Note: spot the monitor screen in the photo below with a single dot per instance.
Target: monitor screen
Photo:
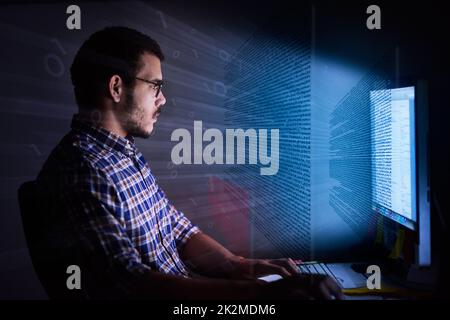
(393, 154)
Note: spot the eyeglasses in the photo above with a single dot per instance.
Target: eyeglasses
(157, 85)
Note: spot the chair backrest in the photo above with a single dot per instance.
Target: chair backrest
(48, 262)
(30, 217)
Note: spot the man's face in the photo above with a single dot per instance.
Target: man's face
(141, 107)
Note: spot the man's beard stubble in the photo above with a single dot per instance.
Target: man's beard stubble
(133, 118)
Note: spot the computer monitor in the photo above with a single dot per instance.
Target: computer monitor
(399, 149)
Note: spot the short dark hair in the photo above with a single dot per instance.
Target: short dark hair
(113, 50)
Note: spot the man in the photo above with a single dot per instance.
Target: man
(113, 219)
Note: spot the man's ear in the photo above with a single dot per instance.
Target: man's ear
(115, 88)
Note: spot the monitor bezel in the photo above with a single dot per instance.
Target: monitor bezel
(422, 225)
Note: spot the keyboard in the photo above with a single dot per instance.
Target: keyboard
(316, 268)
(342, 273)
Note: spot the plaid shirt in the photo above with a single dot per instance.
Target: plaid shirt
(118, 212)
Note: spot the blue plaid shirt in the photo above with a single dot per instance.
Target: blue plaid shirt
(117, 212)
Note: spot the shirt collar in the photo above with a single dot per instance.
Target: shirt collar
(105, 138)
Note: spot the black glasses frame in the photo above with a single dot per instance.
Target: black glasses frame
(158, 84)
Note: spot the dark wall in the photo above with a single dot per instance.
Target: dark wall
(36, 100)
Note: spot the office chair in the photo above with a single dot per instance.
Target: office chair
(49, 261)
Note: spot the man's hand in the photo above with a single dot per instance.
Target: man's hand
(206, 257)
(302, 286)
(254, 268)
(209, 258)
(294, 285)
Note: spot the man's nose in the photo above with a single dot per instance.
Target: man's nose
(161, 100)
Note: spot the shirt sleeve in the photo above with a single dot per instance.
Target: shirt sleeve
(182, 227)
(95, 212)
